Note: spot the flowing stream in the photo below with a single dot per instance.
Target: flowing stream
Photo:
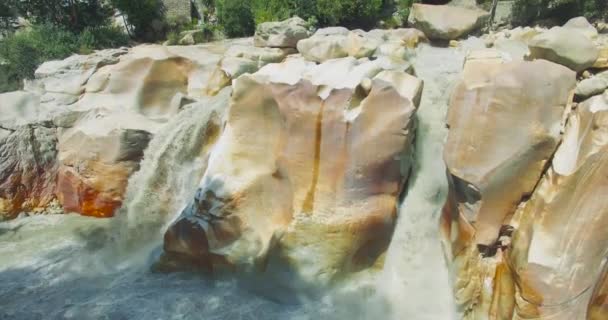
(73, 267)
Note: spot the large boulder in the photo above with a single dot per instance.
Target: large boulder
(442, 22)
(283, 34)
(583, 26)
(504, 124)
(560, 242)
(314, 188)
(566, 46)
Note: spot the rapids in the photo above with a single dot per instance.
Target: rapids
(73, 267)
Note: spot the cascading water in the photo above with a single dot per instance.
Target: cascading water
(81, 273)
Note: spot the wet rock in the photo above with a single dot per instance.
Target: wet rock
(283, 34)
(442, 22)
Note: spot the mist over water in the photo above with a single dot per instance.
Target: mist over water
(73, 267)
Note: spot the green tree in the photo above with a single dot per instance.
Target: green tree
(349, 13)
(72, 15)
(236, 17)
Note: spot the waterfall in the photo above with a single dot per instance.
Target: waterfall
(169, 174)
(415, 276)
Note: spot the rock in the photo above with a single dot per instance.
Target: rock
(240, 60)
(504, 124)
(583, 26)
(284, 34)
(602, 60)
(442, 22)
(592, 86)
(565, 46)
(314, 189)
(324, 46)
(63, 81)
(560, 243)
(514, 49)
(27, 169)
(96, 158)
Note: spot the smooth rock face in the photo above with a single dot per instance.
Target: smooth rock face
(560, 242)
(283, 34)
(27, 170)
(566, 46)
(442, 22)
(504, 124)
(315, 186)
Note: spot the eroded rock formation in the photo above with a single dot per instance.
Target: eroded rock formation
(307, 171)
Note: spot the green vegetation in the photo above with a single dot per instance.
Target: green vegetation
(558, 11)
(24, 51)
(145, 17)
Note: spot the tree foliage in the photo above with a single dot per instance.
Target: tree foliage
(236, 17)
(72, 15)
(146, 17)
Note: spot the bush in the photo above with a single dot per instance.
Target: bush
(146, 17)
(235, 17)
(24, 51)
(73, 16)
(349, 13)
(277, 10)
(527, 11)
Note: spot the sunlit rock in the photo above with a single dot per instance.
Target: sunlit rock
(593, 85)
(306, 173)
(560, 242)
(504, 124)
(283, 34)
(442, 22)
(566, 46)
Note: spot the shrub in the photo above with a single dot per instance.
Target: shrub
(527, 11)
(74, 16)
(277, 10)
(349, 13)
(235, 17)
